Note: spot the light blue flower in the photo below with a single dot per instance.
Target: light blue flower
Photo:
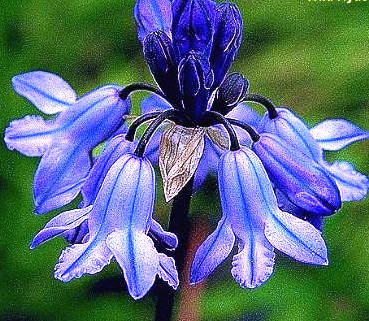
(66, 141)
(252, 220)
(118, 223)
(333, 135)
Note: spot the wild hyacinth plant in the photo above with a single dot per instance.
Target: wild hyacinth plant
(275, 186)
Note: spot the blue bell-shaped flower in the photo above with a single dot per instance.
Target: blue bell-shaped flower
(303, 181)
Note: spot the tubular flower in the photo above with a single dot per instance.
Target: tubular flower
(333, 135)
(275, 185)
(65, 141)
(252, 219)
(118, 223)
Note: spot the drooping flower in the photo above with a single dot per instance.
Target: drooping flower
(304, 182)
(329, 135)
(118, 223)
(65, 141)
(252, 220)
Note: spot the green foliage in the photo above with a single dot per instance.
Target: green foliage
(311, 56)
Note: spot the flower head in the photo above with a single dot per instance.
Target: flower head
(275, 185)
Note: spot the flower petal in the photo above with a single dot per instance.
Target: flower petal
(59, 177)
(60, 224)
(247, 199)
(152, 15)
(115, 148)
(335, 134)
(296, 238)
(48, 92)
(79, 259)
(94, 117)
(153, 148)
(31, 135)
(287, 206)
(212, 252)
(138, 258)
(293, 130)
(253, 265)
(164, 238)
(167, 270)
(353, 186)
(78, 234)
(117, 205)
(245, 114)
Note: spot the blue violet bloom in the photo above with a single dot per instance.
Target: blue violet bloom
(275, 186)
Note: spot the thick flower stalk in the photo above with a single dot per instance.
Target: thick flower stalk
(275, 186)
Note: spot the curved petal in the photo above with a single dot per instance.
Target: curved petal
(335, 134)
(48, 92)
(254, 263)
(296, 238)
(166, 239)
(167, 270)
(212, 252)
(151, 15)
(60, 224)
(80, 259)
(292, 129)
(31, 135)
(353, 186)
(138, 258)
(59, 177)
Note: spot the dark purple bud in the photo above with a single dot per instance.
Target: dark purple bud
(227, 40)
(304, 182)
(193, 25)
(162, 61)
(230, 93)
(195, 79)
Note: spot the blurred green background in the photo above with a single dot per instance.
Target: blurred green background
(311, 56)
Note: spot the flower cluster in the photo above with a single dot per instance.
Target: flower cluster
(275, 186)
